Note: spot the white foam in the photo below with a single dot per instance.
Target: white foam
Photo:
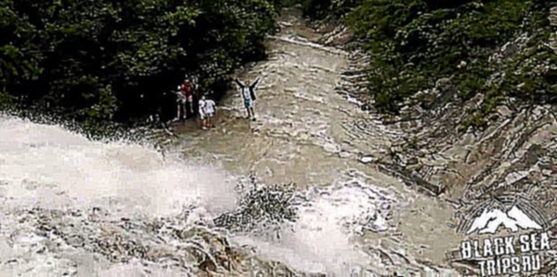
(44, 166)
(49, 167)
(366, 159)
(136, 269)
(322, 239)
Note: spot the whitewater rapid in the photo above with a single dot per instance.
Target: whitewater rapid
(47, 167)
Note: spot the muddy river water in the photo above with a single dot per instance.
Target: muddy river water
(309, 134)
(76, 207)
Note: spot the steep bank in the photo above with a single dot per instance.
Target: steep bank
(514, 154)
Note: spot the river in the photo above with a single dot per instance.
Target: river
(64, 195)
(309, 134)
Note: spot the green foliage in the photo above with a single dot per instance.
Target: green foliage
(112, 60)
(328, 9)
(414, 43)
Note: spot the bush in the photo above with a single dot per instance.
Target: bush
(113, 60)
(327, 9)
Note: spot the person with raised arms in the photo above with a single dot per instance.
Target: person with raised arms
(248, 95)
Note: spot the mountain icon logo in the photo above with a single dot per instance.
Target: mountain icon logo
(491, 219)
(511, 213)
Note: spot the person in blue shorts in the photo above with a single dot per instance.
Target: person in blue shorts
(248, 95)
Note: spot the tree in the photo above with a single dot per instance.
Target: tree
(102, 60)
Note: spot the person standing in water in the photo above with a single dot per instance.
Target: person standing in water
(201, 111)
(187, 91)
(248, 94)
(210, 108)
(180, 104)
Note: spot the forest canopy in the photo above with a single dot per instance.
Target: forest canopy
(105, 60)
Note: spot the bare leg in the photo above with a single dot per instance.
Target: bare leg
(177, 112)
(252, 113)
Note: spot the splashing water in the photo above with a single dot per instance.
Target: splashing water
(47, 167)
(330, 219)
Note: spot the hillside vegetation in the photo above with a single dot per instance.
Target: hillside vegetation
(418, 45)
(103, 60)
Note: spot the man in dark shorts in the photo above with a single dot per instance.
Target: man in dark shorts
(187, 91)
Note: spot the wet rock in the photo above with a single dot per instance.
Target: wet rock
(411, 178)
(285, 24)
(366, 159)
(338, 37)
(443, 92)
(514, 153)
